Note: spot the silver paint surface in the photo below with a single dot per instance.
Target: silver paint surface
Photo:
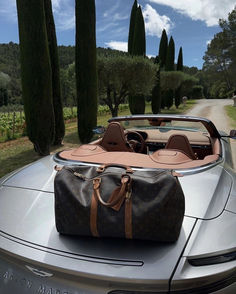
(76, 265)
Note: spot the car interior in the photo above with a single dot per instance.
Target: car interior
(148, 148)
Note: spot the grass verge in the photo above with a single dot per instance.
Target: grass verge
(231, 112)
(17, 153)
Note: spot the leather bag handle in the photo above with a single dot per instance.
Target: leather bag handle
(125, 181)
(102, 168)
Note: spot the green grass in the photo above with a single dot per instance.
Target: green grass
(231, 112)
(17, 153)
(12, 122)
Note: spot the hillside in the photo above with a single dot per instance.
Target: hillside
(10, 85)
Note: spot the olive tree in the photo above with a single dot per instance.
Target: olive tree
(123, 76)
(174, 80)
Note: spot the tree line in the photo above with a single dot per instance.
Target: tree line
(216, 79)
(219, 68)
(110, 57)
(10, 74)
(86, 78)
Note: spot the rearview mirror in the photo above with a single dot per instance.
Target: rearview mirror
(99, 130)
(232, 134)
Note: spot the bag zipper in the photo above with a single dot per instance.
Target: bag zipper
(84, 178)
(80, 176)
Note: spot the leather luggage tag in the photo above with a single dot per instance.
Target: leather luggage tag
(125, 188)
(114, 196)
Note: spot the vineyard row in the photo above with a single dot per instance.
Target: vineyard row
(12, 123)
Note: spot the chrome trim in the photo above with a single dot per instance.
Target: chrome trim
(213, 259)
(39, 272)
(211, 288)
(190, 171)
(181, 171)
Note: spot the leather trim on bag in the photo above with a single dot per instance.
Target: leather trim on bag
(128, 218)
(93, 216)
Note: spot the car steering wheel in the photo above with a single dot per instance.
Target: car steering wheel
(136, 141)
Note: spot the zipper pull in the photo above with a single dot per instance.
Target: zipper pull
(175, 174)
(80, 176)
(128, 195)
(57, 168)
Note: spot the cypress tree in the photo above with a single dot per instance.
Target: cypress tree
(177, 97)
(156, 91)
(163, 99)
(163, 49)
(3, 97)
(170, 66)
(36, 74)
(86, 69)
(132, 26)
(179, 68)
(137, 102)
(131, 104)
(180, 60)
(139, 38)
(170, 57)
(158, 97)
(169, 98)
(56, 87)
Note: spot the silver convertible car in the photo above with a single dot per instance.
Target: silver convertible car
(36, 259)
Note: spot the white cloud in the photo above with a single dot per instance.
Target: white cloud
(208, 42)
(64, 21)
(208, 11)
(155, 23)
(103, 28)
(122, 46)
(118, 16)
(110, 12)
(111, 22)
(56, 4)
(64, 14)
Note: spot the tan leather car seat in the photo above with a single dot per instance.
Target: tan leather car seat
(114, 139)
(180, 142)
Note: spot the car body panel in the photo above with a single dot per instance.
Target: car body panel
(36, 176)
(206, 240)
(210, 193)
(205, 201)
(16, 278)
(231, 205)
(35, 258)
(31, 220)
(202, 279)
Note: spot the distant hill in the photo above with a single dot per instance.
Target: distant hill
(10, 69)
(10, 56)
(9, 59)
(10, 66)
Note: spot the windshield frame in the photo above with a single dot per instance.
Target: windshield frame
(209, 126)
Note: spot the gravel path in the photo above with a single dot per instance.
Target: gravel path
(213, 109)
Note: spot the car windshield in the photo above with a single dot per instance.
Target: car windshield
(163, 125)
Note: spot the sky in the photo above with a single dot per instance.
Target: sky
(191, 23)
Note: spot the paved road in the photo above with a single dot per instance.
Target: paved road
(213, 109)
